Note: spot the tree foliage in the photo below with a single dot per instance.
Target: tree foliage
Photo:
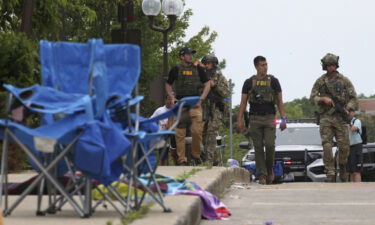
(80, 20)
(300, 108)
(18, 60)
(363, 96)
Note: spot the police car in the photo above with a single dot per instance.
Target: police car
(299, 148)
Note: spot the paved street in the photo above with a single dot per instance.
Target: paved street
(300, 203)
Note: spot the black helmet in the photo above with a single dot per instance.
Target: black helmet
(330, 59)
(186, 50)
(210, 58)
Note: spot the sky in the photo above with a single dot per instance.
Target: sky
(293, 35)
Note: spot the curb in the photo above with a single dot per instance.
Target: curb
(186, 210)
(226, 178)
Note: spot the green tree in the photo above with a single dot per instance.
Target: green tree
(18, 60)
(363, 96)
(80, 20)
(308, 109)
(293, 111)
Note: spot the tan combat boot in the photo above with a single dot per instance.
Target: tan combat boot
(270, 176)
(343, 173)
(262, 179)
(330, 179)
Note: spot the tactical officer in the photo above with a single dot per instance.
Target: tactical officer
(262, 91)
(334, 95)
(213, 106)
(188, 78)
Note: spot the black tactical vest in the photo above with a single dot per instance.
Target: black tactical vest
(188, 82)
(261, 91)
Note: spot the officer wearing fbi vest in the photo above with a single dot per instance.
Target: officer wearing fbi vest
(334, 95)
(188, 79)
(263, 91)
(213, 107)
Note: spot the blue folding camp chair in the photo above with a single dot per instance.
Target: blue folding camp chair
(123, 68)
(67, 118)
(64, 63)
(55, 139)
(102, 77)
(144, 142)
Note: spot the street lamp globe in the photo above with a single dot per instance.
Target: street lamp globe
(151, 7)
(172, 7)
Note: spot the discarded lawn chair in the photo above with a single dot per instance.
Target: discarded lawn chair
(91, 80)
(123, 68)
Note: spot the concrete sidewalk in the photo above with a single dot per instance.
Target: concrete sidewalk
(312, 203)
(186, 210)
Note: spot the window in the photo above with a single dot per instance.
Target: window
(299, 136)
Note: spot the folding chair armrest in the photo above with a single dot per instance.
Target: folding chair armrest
(187, 102)
(44, 99)
(123, 101)
(190, 101)
(175, 111)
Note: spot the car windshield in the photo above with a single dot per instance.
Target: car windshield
(298, 136)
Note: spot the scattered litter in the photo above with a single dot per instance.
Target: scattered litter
(234, 196)
(270, 223)
(233, 163)
(240, 186)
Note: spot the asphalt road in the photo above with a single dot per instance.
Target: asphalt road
(300, 203)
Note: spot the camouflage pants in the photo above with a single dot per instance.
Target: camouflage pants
(334, 126)
(210, 132)
(263, 133)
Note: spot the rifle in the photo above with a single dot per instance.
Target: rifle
(217, 99)
(317, 116)
(339, 105)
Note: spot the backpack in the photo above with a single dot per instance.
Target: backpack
(363, 133)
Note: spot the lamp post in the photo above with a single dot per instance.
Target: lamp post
(172, 9)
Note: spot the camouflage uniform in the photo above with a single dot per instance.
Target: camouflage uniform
(332, 123)
(213, 113)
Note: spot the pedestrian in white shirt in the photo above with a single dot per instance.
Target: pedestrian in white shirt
(164, 125)
(355, 156)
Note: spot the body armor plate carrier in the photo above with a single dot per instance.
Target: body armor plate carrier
(261, 91)
(188, 82)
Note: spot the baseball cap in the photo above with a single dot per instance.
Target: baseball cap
(186, 50)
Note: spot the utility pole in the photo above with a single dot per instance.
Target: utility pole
(230, 119)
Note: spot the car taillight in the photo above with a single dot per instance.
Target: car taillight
(288, 163)
(278, 121)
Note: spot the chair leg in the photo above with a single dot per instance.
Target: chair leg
(40, 196)
(152, 172)
(87, 205)
(45, 173)
(105, 196)
(4, 171)
(4, 159)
